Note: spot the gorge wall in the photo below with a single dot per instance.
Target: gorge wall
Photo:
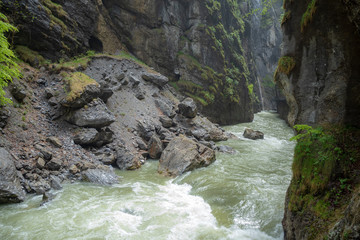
(213, 51)
(319, 75)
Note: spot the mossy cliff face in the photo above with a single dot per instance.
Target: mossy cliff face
(323, 85)
(202, 46)
(319, 74)
(205, 47)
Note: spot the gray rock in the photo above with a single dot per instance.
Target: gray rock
(40, 163)
(155, 147)
(53, 101)
(55, 182)
(145, 129)
(73, 169)
(4, 116)
(141, 144)
(44, 152)
(96, 115)
(54, 164)
(183, 154)
(199, 133)
(86, 136)
(11, 190)
(93, 137)
(120, 76)
(49, 93)
(156, 79)
(90, 92)
(47, 197)
(105, 94)
(126, 160)
(140, 95)
(54, 141)
(18, 92)
(165, 108)
(134, 80)
(166, 121)
(226, 149)
(107, 158)
(100, 176)
(39, 186)
(254, 135)
(188, 108)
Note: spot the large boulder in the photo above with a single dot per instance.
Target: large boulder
(95, 115)
(104, 176)
(125, 160)
(213, 132)
(156, 79)
(252, 134)
(80, 99)
(11, 190)
(188, 108)
(93, 137)
(183, 154)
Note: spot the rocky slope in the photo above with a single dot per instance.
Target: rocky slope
(319, 74)
(204, 47)
(76, 121)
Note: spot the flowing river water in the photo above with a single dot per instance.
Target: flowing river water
(240, 196)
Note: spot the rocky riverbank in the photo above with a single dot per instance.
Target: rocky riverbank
(78, 123)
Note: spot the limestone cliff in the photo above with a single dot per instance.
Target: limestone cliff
(319, 76)
(205, 47)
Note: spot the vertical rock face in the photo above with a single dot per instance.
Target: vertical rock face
(323, 85)
(203, 46)
(266, 37)
(319, 75)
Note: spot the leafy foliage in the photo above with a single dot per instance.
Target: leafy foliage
(8, 68)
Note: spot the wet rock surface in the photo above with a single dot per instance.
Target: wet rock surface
(11, 190)
(252, 134)
(182, 155)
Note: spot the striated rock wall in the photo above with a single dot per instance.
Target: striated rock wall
(322, 86)
(203, 46)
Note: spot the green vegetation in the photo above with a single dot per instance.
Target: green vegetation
(286, 17)
(325, 168)
(308, 15)
(285, 65)
(8, 67)
(77, 83)
(29, 56)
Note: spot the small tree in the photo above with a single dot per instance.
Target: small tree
(8, 67)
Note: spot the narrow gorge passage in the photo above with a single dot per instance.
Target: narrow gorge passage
(240, 196)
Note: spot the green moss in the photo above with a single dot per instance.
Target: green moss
(30, 56)
(285, 65)
(77, 82)
(55, 8)
(324, 173)
(308, 15)
(213, 6)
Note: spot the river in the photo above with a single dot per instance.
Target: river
(240, 196)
